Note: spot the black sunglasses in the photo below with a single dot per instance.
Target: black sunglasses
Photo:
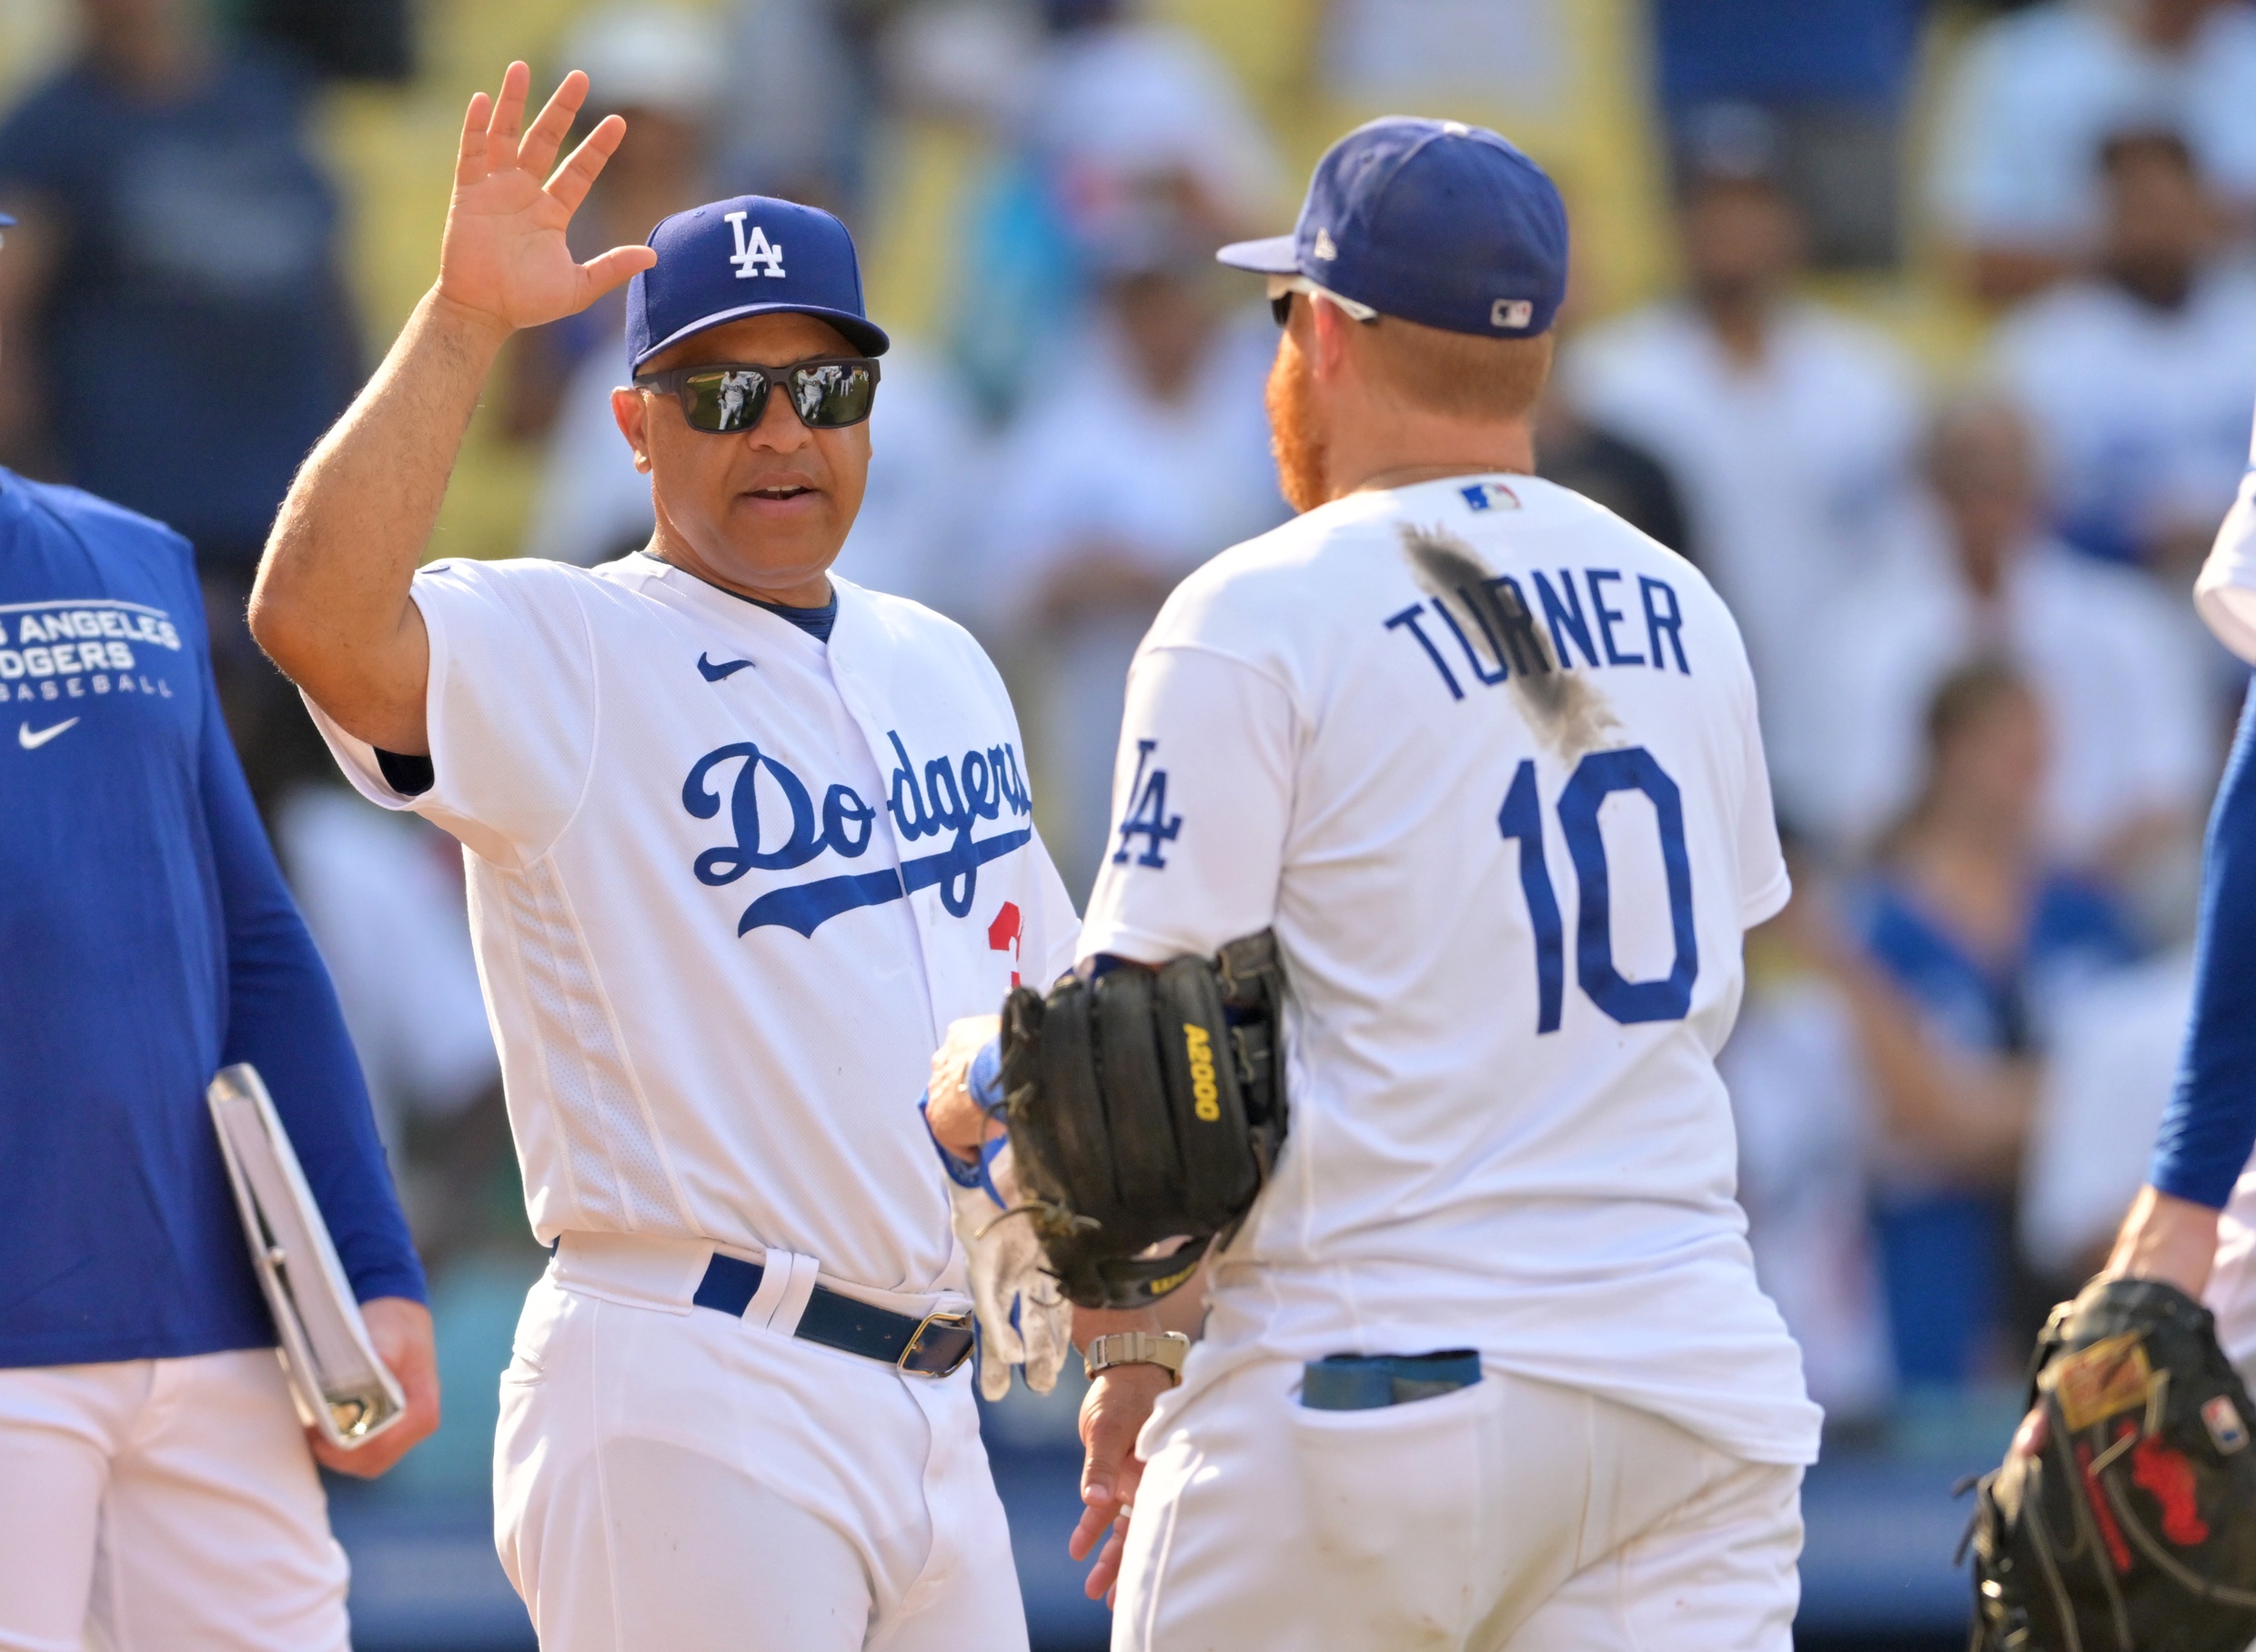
(1281, 301)
(725, 398)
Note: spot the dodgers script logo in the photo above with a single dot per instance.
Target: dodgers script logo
(758, 249)
(949, 800)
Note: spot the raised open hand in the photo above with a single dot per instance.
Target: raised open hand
(504, 258)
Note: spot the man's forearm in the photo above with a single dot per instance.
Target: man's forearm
(2167, 1238)
(331, 603)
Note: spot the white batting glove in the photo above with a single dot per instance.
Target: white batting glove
(1005, 1264)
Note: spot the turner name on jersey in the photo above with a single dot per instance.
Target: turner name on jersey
(728, 886)
(1509, 630)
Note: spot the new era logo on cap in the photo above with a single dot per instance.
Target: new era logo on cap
(1428, 220)
(725, 260)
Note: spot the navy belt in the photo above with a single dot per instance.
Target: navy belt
(934, 1346)
(1365, 1381)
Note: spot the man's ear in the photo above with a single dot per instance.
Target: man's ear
(1326, 345)
(632, 410)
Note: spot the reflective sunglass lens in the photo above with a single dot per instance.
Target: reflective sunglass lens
(833, 394)
(726, 400)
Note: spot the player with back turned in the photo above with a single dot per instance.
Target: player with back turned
(1487, 1364)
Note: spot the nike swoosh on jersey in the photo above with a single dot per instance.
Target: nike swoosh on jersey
(806, 907)
(32, 741)
(719, 673)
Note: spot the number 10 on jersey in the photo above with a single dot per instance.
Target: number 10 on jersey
(1597, 778)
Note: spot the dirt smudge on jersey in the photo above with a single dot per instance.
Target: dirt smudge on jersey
(1565, 710)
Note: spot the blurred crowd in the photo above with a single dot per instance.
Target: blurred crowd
(1962, 572)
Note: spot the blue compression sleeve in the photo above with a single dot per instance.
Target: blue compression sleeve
(283, 1018)
(985, 1079)
(2210, 1126)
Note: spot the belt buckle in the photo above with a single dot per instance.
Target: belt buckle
(948, 1320)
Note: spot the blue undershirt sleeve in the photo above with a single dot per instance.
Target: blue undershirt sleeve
(2210, 1126)
(283, 1018)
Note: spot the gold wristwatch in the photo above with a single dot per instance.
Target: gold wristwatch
(1166, 1349)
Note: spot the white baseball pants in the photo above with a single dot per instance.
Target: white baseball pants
(2231, 1294)
(162, 1505)
(669, 1476)
(1513, 1516)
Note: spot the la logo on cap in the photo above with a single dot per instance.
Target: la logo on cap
(758, 249)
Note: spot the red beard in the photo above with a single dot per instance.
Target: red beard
(1292, 436)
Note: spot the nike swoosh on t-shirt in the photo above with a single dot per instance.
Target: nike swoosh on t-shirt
(715, 673)
(30, 741)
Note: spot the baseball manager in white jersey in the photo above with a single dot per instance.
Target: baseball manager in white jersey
(741, 839)
(1487, 1366)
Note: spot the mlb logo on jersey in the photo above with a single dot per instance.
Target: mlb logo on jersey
(1490, 496)
(756, 249)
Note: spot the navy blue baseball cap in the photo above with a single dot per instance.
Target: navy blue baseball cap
(1430, 220)
(746, 256)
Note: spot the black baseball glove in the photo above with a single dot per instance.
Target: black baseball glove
(1144, 1106)
(2124, 1516)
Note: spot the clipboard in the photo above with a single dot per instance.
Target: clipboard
(341, 1386)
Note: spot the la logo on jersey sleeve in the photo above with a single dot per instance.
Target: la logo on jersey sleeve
(1147, 816)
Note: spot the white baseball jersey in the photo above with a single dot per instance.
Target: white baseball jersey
(726, 885)
(1510, 903)
(2225, 591)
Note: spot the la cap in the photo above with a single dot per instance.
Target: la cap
(1430, 220)
(750, 256)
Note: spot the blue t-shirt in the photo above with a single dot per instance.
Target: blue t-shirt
(1785, 50)
(2073, 930)
(147, 940)
(1945, 1252)
(196, 340)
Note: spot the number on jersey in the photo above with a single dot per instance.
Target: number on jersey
(1597, 778)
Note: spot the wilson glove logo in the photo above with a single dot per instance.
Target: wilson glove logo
(949, 799)
(1205, 1094)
